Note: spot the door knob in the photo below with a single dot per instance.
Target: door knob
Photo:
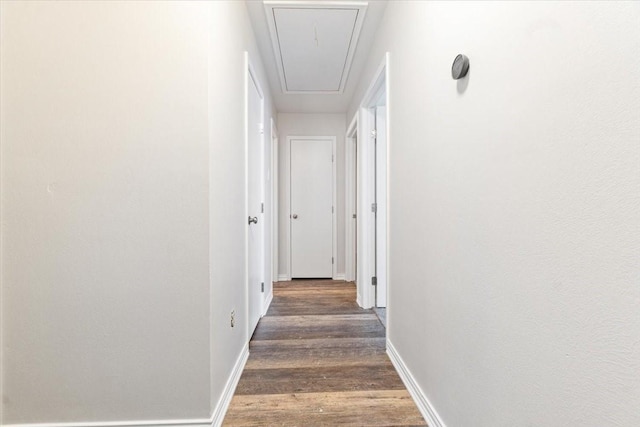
(295, 216)
(253, 220)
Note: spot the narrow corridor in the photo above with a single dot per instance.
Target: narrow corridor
(316, 358)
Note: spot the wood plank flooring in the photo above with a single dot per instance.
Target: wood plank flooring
(317, 359)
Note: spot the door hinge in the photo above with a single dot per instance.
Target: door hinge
(331, 260)
(374, 133)
(374, 207)
(261, 128)
(374, 281)
(332, 158)
(262, 286)
(354, 216)
(261, 207)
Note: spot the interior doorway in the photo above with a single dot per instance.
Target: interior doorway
(312, 207)
(371, 140)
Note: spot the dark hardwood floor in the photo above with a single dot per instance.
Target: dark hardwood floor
(315, 359)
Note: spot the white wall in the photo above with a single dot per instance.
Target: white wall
(515, 209)
(123, 217)
(231, 35)
(292, 124)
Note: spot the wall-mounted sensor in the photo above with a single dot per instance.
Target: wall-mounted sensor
(460, 67)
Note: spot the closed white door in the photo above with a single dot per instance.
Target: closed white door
(311, 208)
(255, 222)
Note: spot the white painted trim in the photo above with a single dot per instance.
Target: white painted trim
(334, 190)
(215, 420)
(222, 406)
(334, 211)
(350, 199)
(274, 201)
(165, 423)
(270, 5)
(365, 182)
(267, 302)
(339, 277)
(284, 278)
(425, 406)
(246, 191)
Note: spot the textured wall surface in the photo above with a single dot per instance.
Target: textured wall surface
(123, 215)
(515, 209)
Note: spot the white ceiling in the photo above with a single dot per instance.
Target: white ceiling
(308, 37)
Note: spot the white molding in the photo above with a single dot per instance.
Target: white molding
(366, 184)
(339, 277)
(214, 420)
(284, 278)
(267, 301)
(425, 406)
(275, 203)
(350, 201)
(229, 389)
(143, 423)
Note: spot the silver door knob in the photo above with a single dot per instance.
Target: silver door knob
(253, 220)
(295, 216)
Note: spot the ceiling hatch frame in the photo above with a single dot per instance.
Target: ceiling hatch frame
(272, 5)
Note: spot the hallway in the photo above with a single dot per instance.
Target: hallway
(316, 358)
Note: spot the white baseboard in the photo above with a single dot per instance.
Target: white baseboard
(214, 421)
(283, 278)
(358, 300)
(424, 405)
(267, 302)
(223, 404)
(339, 277)
(203, 422)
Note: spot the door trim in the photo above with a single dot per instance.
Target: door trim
(350, 200)
(274, 202)
(366, 179)
(334, 227)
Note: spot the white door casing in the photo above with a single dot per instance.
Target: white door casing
(381, 205)
(255, 194)
(312, 206)
(367, 226)
(351, 142)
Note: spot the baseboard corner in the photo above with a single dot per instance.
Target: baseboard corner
(422, 402)
(221, 408)
(267, 302)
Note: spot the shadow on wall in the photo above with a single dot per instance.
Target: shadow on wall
(463, 83)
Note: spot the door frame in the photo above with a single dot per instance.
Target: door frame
(334, 233)
(274, 202)
(366, 225)
(250, 75)
(350, 203)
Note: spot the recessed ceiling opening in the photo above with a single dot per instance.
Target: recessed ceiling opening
(314, 43)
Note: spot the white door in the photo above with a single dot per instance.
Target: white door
(311, 208)
(255, 188)
(381, 206)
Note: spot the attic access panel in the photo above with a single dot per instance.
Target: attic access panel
(314, 43)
